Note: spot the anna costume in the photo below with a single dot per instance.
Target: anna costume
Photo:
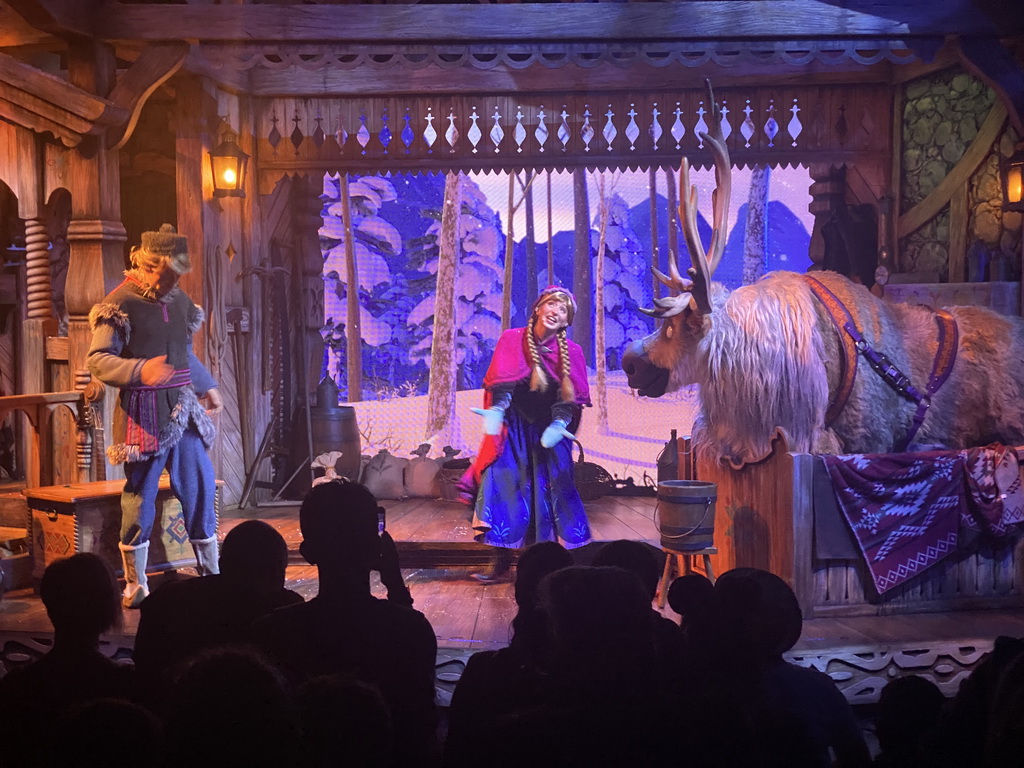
(522, 492)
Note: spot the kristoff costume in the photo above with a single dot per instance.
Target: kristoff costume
(156, 427)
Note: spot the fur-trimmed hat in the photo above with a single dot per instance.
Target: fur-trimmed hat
(167, 243)
(559, 292)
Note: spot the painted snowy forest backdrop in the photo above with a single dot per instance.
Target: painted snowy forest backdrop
(413, 387)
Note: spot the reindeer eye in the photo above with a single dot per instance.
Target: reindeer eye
(668, 330)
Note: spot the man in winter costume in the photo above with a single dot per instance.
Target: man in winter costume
(521, 484)
(142, 343)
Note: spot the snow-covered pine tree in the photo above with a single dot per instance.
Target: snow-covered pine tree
(374, 241)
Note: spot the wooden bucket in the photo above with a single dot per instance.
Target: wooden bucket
(685, 515)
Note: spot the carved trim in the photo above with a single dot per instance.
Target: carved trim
(726, 53)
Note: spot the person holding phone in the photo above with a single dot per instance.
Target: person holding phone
(521, 485)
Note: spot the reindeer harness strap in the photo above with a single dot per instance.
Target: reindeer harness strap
(853, 342)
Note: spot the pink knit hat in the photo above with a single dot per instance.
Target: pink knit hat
(560, 292)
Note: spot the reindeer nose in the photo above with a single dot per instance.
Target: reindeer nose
(632, 358)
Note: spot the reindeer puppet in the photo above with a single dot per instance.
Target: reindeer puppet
(834, 367)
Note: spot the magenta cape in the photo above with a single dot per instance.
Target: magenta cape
(511, 363)
(510, 366)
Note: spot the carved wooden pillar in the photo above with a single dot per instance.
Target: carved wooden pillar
(308, 287)
(38, 325)
(96, 235)
(40, 321)
(828, 192)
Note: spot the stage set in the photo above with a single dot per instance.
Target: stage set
(372, 194)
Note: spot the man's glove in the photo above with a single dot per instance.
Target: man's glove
(493, 419)
(554, 433)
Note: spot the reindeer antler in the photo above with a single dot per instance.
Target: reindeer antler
(670, 306)
(697, 290)
(704, 264)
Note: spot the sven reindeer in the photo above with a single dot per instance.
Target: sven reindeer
(775, 355)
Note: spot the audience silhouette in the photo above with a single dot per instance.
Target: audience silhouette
(82, 601)
(908, 712)
(497, 684)
(346, 630)
(241, 672)
(638, 558)
(230, 708)
(182, 618)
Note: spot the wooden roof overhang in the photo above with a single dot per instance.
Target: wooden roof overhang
(441, 87)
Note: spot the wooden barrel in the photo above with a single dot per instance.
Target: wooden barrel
(685, 515)
(334, 429)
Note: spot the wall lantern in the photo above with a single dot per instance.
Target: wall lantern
(1013, 181)
(229, 164)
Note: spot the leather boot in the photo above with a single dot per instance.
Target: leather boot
(500, 565)
(206, 556)
(136, 586)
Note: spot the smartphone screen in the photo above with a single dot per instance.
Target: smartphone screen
(381, 521)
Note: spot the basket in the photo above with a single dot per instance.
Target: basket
(449, 475)
(592, 480)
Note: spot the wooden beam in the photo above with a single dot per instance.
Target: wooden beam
(613, 23)
(959, 216)
(58, 17)
(928, 208)
(156, 64)
(366, 81)
(33, 121)
(51, 89)
(15, 31)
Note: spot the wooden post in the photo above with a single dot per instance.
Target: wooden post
(353, 329)
(828, 192)
(673, 218)
(652, 185)
(194, 184)
(582, 281)
(531, 248)
(96, 235)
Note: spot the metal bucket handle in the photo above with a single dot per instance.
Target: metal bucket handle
(707, 508)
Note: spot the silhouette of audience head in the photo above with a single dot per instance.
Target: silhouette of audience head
(536, 562)
(691, 596)
(344, 722)
(255, 554)
(759, 612)
(81, 596)
(635, 557)
(599, 620)
(908, 711)
(90, 730)
(230, 707)
(339, 526)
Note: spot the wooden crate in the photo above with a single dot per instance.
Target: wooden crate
(86, 517)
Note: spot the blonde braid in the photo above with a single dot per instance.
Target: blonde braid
(565, 368)
(538, 379)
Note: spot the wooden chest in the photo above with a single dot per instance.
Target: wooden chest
(86, 517)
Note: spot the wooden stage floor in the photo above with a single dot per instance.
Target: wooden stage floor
(438, 555)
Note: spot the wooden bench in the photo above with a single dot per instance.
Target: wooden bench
(86, 517)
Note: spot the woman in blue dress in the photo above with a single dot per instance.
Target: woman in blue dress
(521, 484)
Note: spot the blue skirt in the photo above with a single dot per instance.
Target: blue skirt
(528, 495)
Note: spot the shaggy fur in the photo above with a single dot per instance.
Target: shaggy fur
(767, 358)
(112, 314)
